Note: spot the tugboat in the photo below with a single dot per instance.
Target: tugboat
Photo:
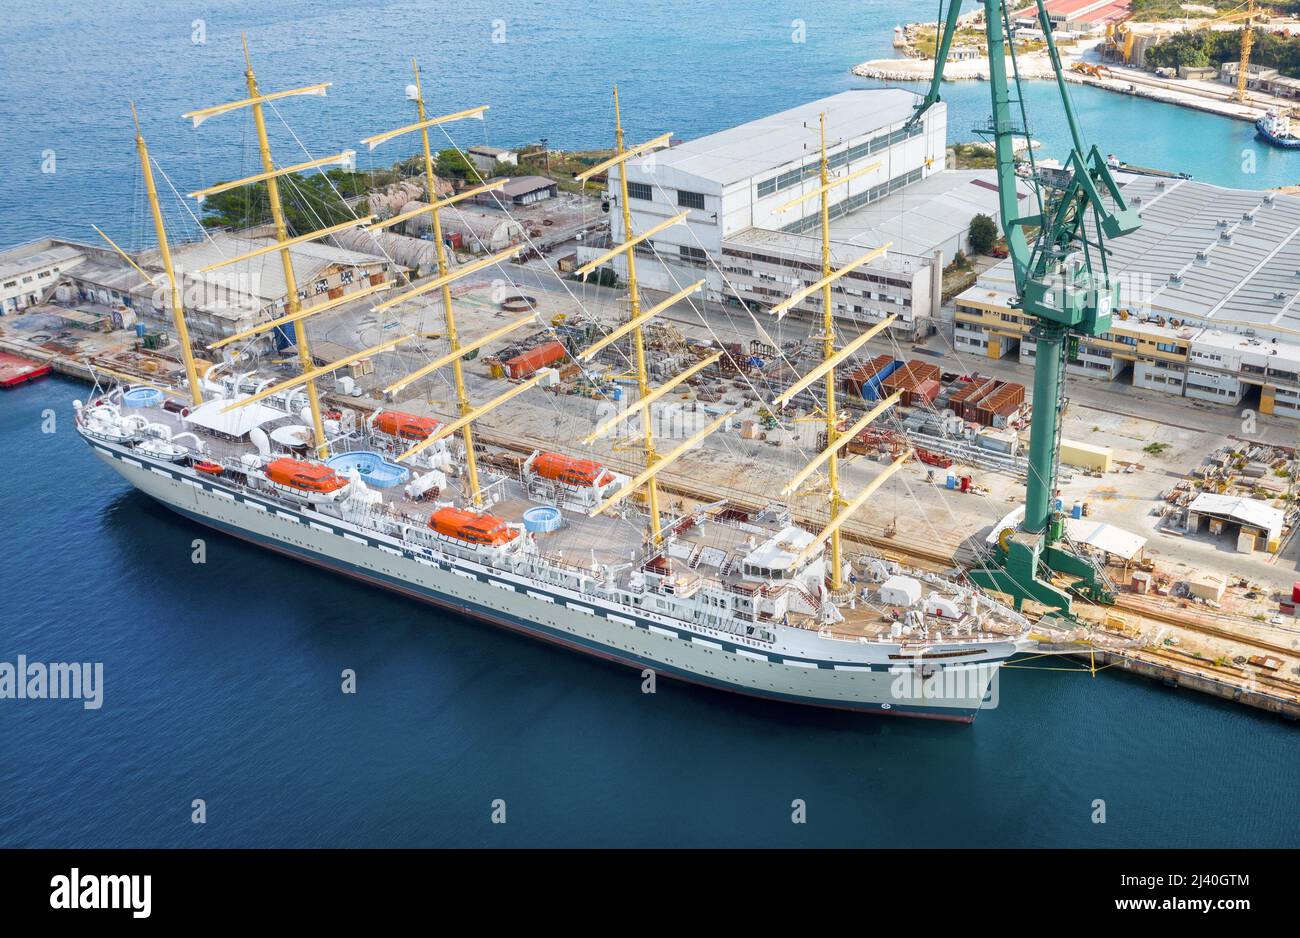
(1275, 128)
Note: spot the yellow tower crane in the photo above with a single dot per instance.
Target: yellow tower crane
(1247, 14)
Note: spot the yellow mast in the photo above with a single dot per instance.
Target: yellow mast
(286, 257)
(638, 334)
(840, 508)
(164, 249)
(453, 337)
(837, 502)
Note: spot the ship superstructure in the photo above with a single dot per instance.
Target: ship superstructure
(557, 545)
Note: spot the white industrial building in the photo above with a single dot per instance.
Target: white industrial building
(29, 272)
(734, 181)
(1212, 299)
(217, 303)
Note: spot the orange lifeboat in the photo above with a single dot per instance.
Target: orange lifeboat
(310, 478)
(209, 468)
(485, 529)
(405, 426)
(566, 469)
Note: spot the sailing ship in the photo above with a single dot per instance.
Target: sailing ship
(733, 598)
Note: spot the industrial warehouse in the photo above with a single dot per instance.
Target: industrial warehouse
(752, 246)
(1213, 283)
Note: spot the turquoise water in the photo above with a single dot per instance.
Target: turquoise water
(69, 69)
(222, 679)
(373, 468)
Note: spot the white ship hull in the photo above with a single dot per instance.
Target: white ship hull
(866, 677)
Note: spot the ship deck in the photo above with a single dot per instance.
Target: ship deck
(707, 549)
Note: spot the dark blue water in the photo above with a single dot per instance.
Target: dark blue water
(222, 683)
(222, 680)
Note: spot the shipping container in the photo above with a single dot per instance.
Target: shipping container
(971, 394)
(923, 394)
(523, 366)
(1005, 401)
(908, 376)
(866, 380)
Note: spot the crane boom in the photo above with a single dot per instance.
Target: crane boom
(1058, 257)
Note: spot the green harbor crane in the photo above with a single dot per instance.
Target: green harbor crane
(1058, 252)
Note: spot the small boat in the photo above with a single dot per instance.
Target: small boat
(15, 370)
(208, 468)
(1275, 128)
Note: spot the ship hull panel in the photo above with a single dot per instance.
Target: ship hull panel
(554, 619)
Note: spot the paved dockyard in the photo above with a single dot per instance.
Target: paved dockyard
(913, 518)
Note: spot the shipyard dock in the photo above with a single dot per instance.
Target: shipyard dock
(1238, 647)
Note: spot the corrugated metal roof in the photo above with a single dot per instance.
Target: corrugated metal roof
(763, 145)
(1235, 254)
(261, 277)
(24, 260)
(1250, 511)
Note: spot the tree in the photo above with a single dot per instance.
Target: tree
(983, 234)
(450, 162)
(310, 202)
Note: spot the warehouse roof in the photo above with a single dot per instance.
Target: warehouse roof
(260, 277)
(1208, 254)
(1249, 511)
(516, 186)
(762, 145)
(915, 221)
(921, 217)
(29, 257)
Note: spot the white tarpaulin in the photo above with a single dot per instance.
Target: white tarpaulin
(236, 423)
(1106, 537)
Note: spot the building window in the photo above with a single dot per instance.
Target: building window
(345, 276)
(688, 199)
(322, 286)
(640, 190)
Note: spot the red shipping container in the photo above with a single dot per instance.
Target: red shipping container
(908, 376)
(971, 406)
(924, 393)
(523, 366)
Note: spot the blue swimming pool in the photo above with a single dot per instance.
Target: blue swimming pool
(142, 397)
(374, 469)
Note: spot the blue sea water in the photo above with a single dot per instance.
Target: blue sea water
(69, 70)
(222, 679)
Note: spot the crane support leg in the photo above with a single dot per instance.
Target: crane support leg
(1040, 486)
